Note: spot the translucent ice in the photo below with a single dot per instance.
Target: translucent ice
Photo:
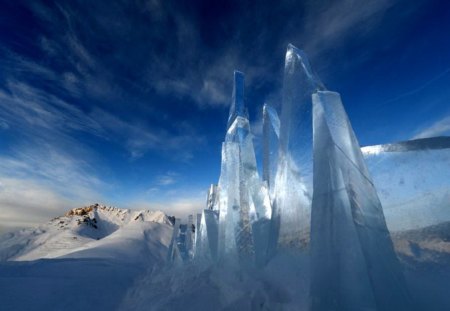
(293, 181)
(413, 181)
(243, 199)
(271, 133)
(208, 236)
(197, 233)
(190, 236)
(353, 262)
(237, 108)
(229, 199)
(212, 198)
(182, 242)
(173, 254)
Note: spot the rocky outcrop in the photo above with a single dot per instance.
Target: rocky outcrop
(81, 211)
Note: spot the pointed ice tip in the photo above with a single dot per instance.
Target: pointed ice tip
(302, 57)
(237, 103)
(292, 47)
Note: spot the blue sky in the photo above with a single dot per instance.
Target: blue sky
(126, 102)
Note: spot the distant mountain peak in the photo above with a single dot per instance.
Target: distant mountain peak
(93, 230)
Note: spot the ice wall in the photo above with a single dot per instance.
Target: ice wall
(413, 181)
(353, 262)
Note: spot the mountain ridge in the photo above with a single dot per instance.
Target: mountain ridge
(92, 231)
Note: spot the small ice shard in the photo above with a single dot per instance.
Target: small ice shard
(208, 236)
(173, 248)
(211, 200)
(353, 262)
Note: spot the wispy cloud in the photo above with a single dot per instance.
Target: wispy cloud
(40, 182)
(438, 128)
(26, 202)
(167, 179)
(337, 22)
(32, 108)
(54, 167)
(4, 125)
(180, 207)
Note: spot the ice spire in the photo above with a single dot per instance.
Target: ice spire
(237, 108)
(353, 262)
(244, 201)
(292, 189)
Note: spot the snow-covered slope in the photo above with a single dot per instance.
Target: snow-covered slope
(84, 260)
(94, 231)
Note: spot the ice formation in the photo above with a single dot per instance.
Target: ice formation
(173, 253)
(211, 200)
(271, 134)
(208, 236)
(353, 262)
(241, 202)
(190, 237)
(292, 188)
(198, 220)
(338, 215)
